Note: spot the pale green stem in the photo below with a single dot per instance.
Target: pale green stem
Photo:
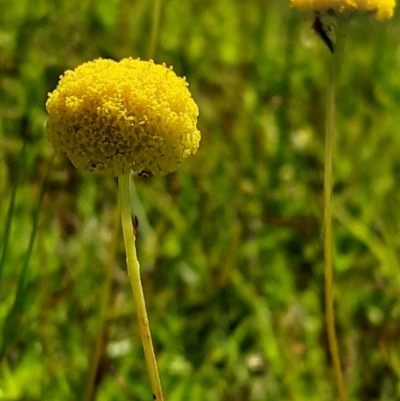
(334, 67)
(155, 26)
(136, 284)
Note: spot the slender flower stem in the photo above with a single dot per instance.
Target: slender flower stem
(155, 26)
(328, 208)
(136, 284)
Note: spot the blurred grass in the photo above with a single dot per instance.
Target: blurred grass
(230, 245)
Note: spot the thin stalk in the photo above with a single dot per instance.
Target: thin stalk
(136, 284)
(155, 26)
(334, 67)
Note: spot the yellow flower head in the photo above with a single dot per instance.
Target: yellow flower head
(113, 117)
(382, 8)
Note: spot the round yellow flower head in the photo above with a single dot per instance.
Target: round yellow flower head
(113, 117)
(382, 8)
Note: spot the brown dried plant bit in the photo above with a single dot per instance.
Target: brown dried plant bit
(135, 225)
(145, 174)
(324, 31)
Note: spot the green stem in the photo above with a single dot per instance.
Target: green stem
(136, 284)
(155, 26)
(328, 208)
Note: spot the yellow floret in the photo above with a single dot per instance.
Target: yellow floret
(113, 117)
(382, 8)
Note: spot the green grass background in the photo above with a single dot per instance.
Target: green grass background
(231, 244)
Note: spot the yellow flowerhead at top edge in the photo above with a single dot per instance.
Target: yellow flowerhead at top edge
(113, 117)
(383, 9)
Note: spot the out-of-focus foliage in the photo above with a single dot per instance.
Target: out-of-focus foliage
(230, 245)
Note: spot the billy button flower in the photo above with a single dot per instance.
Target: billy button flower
(113, 117)
(117, 117)
(381, 8)
(328, 13)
